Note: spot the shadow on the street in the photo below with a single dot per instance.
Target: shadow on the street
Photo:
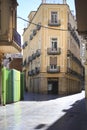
(39, 97)
(75, 118)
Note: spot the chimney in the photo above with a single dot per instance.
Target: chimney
(64, 1)
(43, 1)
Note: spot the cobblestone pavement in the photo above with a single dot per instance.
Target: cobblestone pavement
(45, 112)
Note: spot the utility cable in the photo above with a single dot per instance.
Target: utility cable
(42, 25)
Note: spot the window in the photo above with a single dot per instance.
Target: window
(54, 44)
(53, 67)
(53, 62)
(54, 17)
(68, 62)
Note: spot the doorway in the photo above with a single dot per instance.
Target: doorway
(53, 86)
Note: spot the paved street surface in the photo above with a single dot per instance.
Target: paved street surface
(45, 112)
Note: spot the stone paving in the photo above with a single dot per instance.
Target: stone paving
(45, 112)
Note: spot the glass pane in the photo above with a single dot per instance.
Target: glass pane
(54, 17)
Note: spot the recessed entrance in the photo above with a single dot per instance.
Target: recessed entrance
(52, 86)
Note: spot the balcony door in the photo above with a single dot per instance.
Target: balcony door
(54, 17)
(54, 44)
(53, 63)
(53, 86)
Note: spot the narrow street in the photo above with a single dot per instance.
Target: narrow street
(45, 112)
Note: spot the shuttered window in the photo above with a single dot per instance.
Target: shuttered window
(53, 60)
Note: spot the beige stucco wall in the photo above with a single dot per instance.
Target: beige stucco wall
(8, 20)
(69, 86)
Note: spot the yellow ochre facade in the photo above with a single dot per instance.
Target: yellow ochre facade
(51, 51)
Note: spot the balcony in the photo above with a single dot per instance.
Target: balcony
(30, 73)
(34, 56)
(53, 51)
(31, 36)
(10, 42)
(30, 58)
(75, 36)
(54, 23)
(69, 53)
(24, 45)
(38, 52)
(69, 27)
(37, 70)
(38, 27)
(34, 32)
(33, 72)
(74, 73)
(56, 70)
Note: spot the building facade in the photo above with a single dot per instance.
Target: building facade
(51, 51)
(81, 8)
(10, 39)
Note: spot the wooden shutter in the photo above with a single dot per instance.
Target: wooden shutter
(53, 60)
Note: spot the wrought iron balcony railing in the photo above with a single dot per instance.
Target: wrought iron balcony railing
(38, 27)
(54, 23)
(34, 32)
(37, 69)
(34, 56)
(33, 71)
(50, 70)
(54, 51)
(30, 73)
(31, 36)
(38, 52)
(24, 45)
(30, 58)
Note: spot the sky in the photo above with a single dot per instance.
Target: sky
(26, 6)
